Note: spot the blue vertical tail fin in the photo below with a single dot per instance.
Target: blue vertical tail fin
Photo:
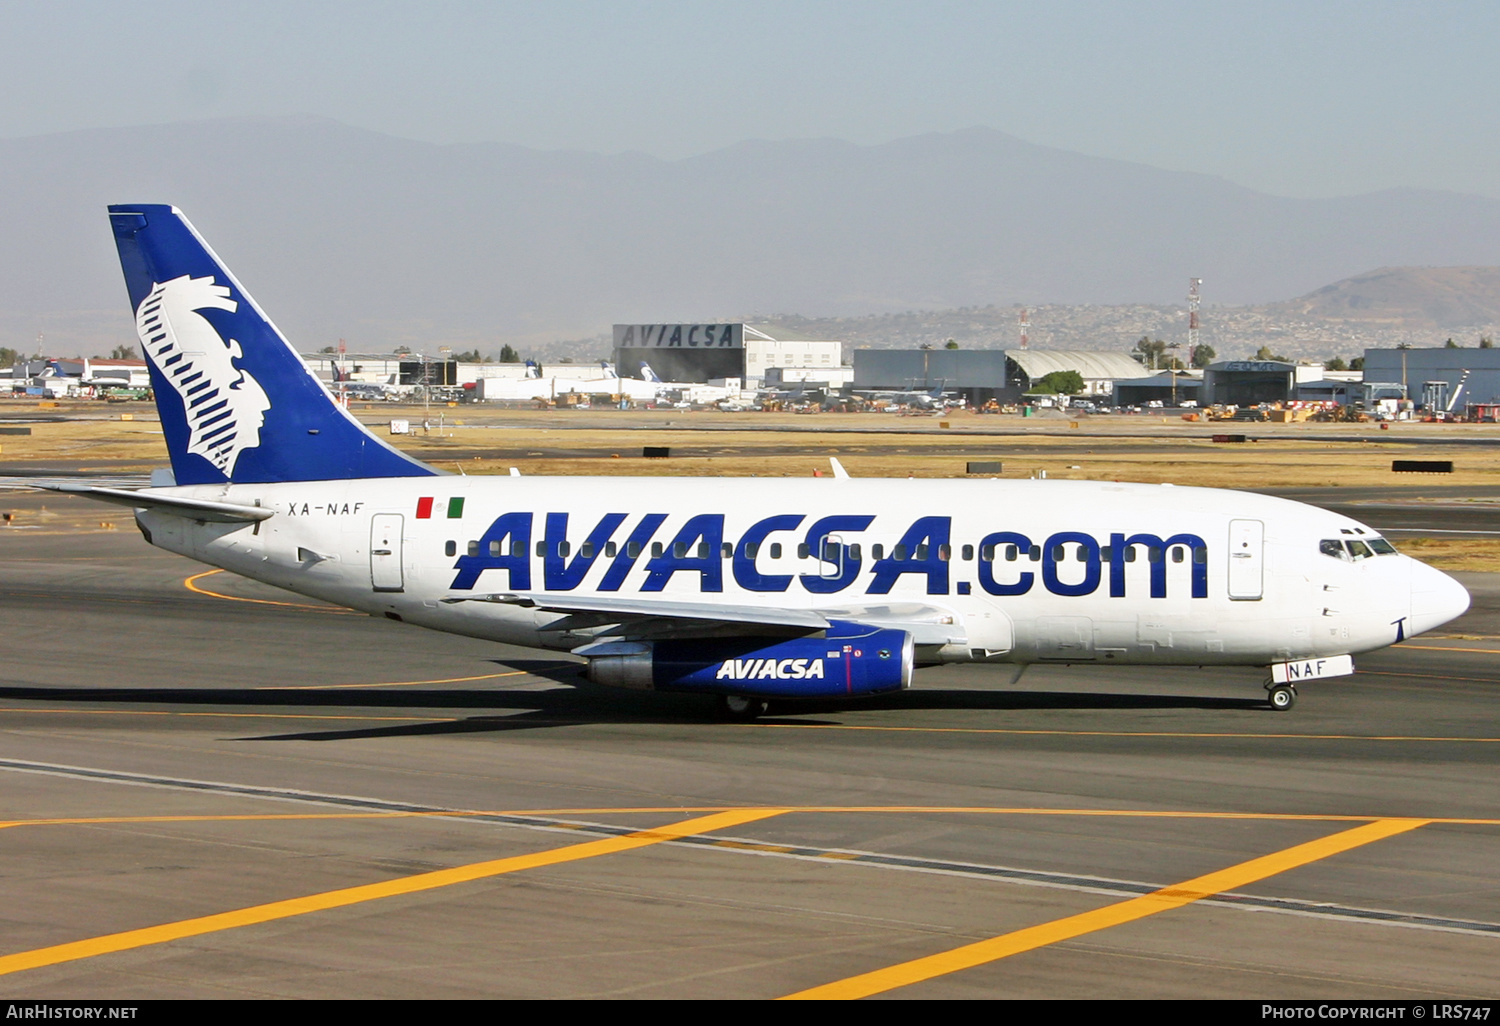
(237, 403)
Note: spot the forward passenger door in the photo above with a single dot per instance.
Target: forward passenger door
(1246, 559)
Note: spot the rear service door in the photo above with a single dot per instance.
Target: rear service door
(1246, 559)
(385, 551)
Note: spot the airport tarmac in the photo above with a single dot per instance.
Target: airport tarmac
(215, 789)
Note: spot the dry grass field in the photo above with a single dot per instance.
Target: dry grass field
(1149, 449)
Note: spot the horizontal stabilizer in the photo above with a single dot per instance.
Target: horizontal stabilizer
(205, 510)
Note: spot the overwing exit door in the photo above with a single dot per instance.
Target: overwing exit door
(1246, 559)
(385, 551)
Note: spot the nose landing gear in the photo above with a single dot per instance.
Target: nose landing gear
(1281, 696)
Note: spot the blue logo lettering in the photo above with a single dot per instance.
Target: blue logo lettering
(561, 574)
(1156, 553)
(745, 573)
(1053, 553)
(624, 562)
(503, 547)
(848, 567)
(987, 566)
(921, 550)
(696, 548)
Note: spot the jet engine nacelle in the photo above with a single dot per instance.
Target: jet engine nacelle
(848, 661)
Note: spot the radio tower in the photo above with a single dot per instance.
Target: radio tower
(1193, 284)
(1025, 328)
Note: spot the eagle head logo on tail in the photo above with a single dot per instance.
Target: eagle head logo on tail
(225, 406)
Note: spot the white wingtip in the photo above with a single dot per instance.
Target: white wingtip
(515, 471)
(838, 468)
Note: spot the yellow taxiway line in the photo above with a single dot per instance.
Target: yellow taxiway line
(191, 584)
(1164, 900)
(709, 819)
(166, 932)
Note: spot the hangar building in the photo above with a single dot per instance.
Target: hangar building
(1433, 374)
(983, 374)
(705, 352)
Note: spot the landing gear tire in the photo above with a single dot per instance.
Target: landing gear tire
(1282, 697)
(742, 708)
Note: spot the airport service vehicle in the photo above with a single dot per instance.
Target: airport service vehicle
(748, 589)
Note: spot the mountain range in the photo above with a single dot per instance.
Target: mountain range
(344, 232)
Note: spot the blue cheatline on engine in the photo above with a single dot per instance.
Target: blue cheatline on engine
(850, 660)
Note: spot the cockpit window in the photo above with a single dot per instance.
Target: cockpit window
(1358, 549)
(1331, 547)
(1382, 547)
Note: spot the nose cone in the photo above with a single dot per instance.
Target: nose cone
(1436, 598)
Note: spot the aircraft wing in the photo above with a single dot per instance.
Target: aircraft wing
(928, 625)
(178, 505)
(639, 609)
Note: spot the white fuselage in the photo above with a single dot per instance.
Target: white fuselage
(1014, 571)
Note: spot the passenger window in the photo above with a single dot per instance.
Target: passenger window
(1200, 554)
(945, 553)
(877, 551)
(473, 549)
(1082, 555)
(968, 553)
(988, 553)
(1104, 553)
(633, 550)
(1059, 553)
(830, 552)
(1034, 553)
(854, 552)
(899, 553)
(494, 548)
(1154, 554)
(751, 550)
(1177, 553)
(922, 551)
(563, 548)
(802, 551)
(1331, 547)
(656, 549)
(541, 548)
(586, 550)
(518, 549)
(610, 549)
(704, 550)
(450, 548)
(679, 549)
(776, 550)
(1130, 553)
(726, 550)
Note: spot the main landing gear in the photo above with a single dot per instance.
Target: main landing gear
(1281, 696)
(742, 708)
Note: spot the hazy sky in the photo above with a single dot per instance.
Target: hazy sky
(1294, 98)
